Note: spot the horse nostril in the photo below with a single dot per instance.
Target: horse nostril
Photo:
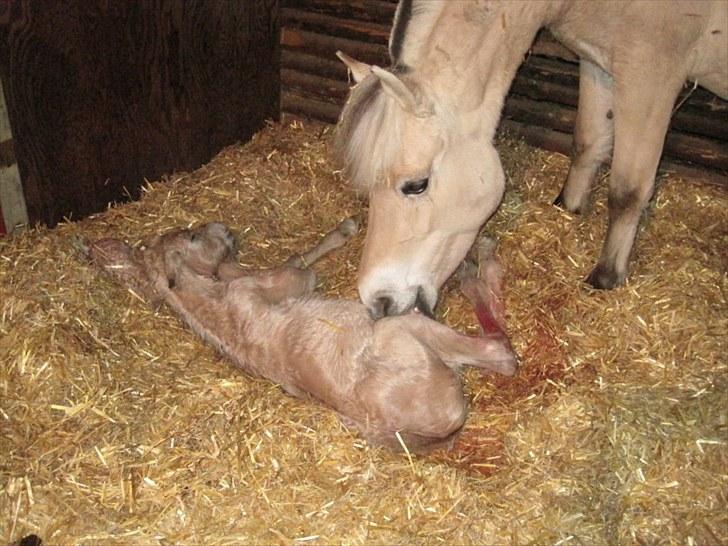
(422, 305)
(381, 307)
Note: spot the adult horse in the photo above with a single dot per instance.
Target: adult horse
(418, 136)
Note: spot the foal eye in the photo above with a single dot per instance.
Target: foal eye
(415, 187)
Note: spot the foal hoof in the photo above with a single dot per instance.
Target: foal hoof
(350, 226)
(468, 269)
(604, 278)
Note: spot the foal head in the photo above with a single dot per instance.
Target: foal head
(202, 249)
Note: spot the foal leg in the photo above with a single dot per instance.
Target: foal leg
(334, 239)
(482, 284)
(593, 136)
(293, 279)
(491, 351)
(642, 107)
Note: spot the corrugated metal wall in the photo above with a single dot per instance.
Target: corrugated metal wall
(541, 106)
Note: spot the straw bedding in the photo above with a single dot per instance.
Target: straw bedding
(118, 426)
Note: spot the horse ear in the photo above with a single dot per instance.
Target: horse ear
(398, 90)
(358, 69)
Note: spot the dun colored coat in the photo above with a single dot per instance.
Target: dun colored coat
(418, 136)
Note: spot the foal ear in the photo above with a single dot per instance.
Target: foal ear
(398, 90)
(358, 69)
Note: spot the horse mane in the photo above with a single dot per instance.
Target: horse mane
(399, 29)
(414, 21)
(368, 135)
(369, 132)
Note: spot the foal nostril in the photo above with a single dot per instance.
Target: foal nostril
(381, 307)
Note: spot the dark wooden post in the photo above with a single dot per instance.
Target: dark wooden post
(103, 94)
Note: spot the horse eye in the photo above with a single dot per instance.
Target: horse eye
(194, 237)
(415, 187)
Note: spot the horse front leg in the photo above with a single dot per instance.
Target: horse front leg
(643, 104)
(593, 136)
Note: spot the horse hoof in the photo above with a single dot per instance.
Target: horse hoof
(603, 278)
(561, 203)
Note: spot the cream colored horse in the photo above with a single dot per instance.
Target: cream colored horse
(418, 136)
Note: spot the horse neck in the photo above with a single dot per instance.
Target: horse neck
(484, 61)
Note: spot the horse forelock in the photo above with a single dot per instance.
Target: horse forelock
(368, 136)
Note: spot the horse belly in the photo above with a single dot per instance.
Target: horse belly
(691, 37)
(711, 52)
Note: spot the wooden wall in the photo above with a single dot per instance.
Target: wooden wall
(103, 94)
(541, 106)
(12, 204)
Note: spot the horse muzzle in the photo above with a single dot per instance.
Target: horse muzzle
(389, 303)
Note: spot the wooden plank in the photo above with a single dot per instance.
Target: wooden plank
(562, 143)
(351, 29)
(376, 11)
(326, 46)
(700, 150)
(688, 119)
(295, 103)
(312, 64)
(697, 150)
(326, 89)
(103, 95)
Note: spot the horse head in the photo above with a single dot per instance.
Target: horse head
(432, 177)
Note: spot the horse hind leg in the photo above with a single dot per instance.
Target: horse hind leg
(642, 113)
(593, 136)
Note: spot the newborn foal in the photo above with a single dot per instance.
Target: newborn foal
(395, 375)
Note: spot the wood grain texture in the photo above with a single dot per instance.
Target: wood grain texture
(103, 94)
